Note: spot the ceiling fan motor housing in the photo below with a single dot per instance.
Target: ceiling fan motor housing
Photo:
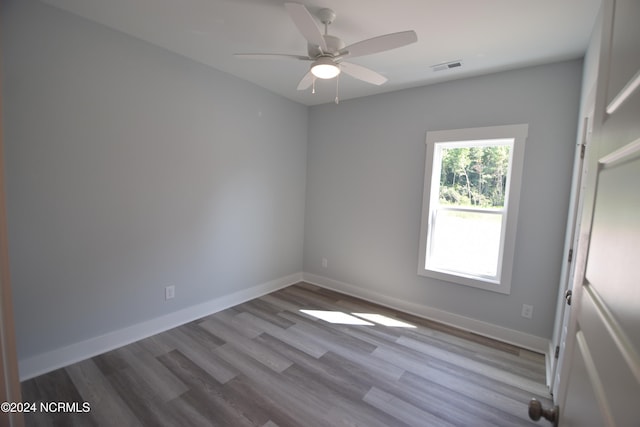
(334, 45)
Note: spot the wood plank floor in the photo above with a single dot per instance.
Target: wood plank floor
(266, 363)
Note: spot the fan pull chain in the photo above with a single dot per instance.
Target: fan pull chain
(337, 87)
(313, 84)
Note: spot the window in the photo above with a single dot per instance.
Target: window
(470, 205)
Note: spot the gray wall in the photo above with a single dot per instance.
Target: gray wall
(129, 168)
(364, 188)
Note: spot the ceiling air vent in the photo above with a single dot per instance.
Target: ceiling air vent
(447, 65)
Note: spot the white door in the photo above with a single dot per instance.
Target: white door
(600, 378)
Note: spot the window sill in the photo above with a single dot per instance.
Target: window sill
(467, 280)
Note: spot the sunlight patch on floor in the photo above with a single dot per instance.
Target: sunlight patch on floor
(384, 320)
(336, 317)
(339, 317)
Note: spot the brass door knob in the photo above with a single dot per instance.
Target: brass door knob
(536, 411)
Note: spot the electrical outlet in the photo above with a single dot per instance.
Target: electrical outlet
(325, 263)
(169, 292)
(527, 311)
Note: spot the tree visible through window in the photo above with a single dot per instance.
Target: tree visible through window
(468, 192)
(475, 176)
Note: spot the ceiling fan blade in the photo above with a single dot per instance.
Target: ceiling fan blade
(306, 81)
(363, 73)
(381, 43)
(270, 56)
(306, 24)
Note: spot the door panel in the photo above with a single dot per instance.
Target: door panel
(613, 260)
(582, 403)
(625, 61)
(617, 382)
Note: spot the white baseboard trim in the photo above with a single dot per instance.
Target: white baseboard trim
(64, 356)
(500, 333)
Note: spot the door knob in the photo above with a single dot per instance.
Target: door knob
(536, 411)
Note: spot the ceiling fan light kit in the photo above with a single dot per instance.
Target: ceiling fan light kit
(326, 52)
(324, 68)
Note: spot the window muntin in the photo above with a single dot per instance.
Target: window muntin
(469, 222)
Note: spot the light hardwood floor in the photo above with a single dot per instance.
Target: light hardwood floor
(266, 363)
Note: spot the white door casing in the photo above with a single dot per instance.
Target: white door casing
(558, 341)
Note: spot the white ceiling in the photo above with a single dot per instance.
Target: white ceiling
(487, 35)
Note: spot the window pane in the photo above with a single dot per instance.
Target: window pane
(465, 242)
(474, 176)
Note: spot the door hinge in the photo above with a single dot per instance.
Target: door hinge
(583, 148)
(557, 353)
(570, 257)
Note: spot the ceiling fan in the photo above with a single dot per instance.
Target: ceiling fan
(326, 52)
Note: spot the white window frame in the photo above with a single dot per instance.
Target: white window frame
(518, 133)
